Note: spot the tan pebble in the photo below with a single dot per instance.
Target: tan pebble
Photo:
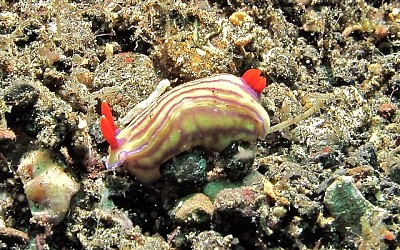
(239, 17)
(381, 31)
(269, 189)
(7, 135)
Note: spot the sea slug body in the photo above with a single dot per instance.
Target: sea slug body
(211, 112)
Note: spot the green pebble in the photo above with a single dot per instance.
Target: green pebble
(213, 188)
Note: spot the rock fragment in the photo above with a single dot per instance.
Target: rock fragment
(349, 207)
(47, 186)
(196, 208)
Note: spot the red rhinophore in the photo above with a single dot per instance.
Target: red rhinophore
(106, 111)
(107, 125)
(254, 79)
(108, 133)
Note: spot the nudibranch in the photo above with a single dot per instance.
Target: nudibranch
(211, 112)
